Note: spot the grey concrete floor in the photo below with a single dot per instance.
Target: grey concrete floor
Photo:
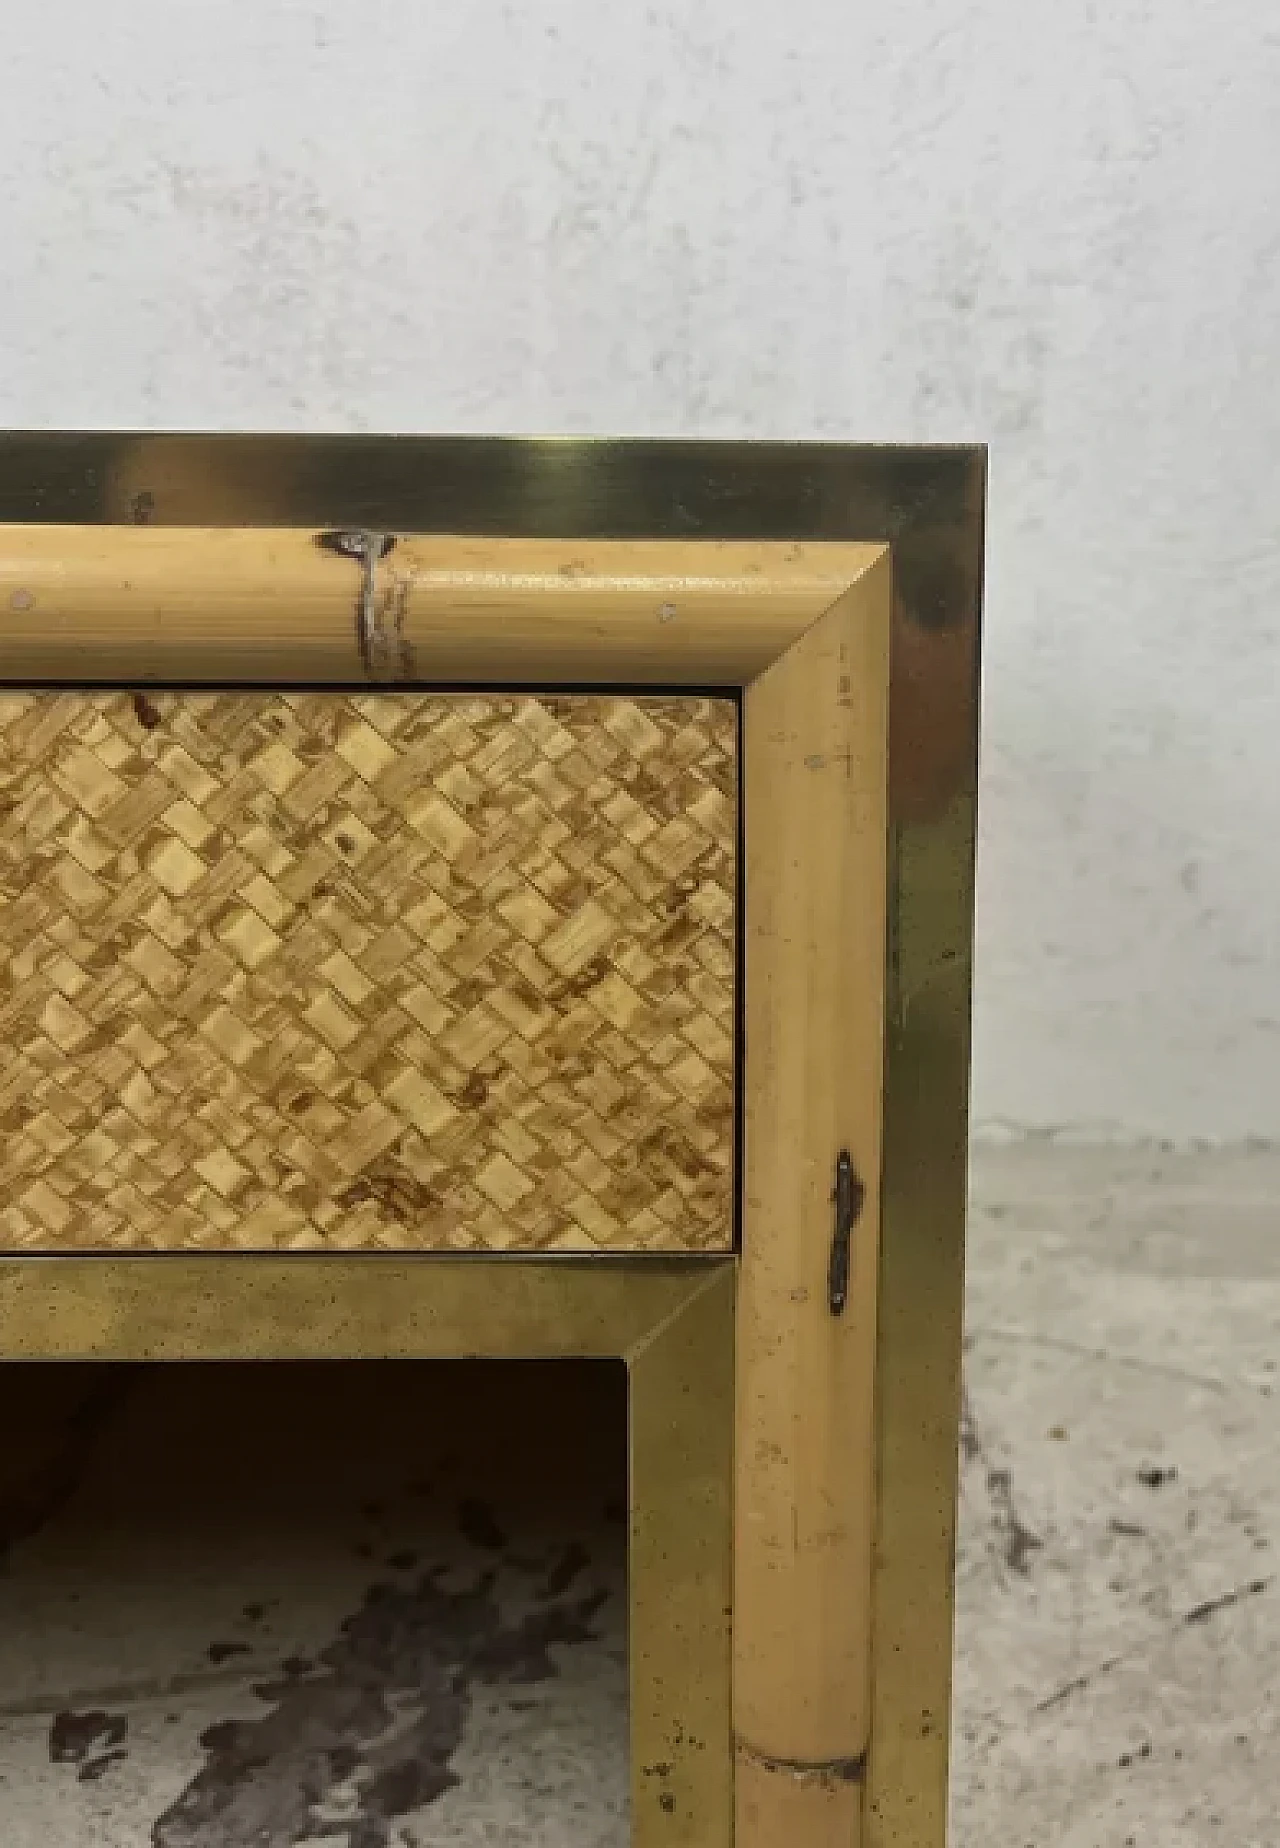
(268, 1607)
(1118, 1636)
(300, 1608)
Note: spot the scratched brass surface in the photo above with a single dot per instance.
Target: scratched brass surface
(286, 971)
(928, 503)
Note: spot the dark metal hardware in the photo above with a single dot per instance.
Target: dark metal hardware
(848, 1196)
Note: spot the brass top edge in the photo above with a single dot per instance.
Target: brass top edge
(511, 441)
(524, 486)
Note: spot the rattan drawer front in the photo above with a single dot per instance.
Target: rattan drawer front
(366, 971)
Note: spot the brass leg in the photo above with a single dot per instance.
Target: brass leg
(682, 1401)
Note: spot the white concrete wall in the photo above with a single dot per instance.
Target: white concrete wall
(1052, 224)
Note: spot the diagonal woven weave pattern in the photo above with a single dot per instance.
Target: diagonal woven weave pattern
(366, 971)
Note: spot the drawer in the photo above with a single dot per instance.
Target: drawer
(367, 971)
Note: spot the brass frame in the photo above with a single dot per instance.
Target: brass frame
(671, 1323)
(919, 509)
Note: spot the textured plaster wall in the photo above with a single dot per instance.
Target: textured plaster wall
(1051, 224)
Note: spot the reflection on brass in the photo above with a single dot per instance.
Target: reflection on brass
(681, 1534)
(286, 971)
(927, 504)
(337, 1308)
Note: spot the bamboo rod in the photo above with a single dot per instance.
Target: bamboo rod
(203, 605)
(815, 738)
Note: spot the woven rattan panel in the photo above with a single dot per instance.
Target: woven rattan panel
(393, 970)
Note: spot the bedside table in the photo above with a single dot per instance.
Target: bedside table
(469, 898)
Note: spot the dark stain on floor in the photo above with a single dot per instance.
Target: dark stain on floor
(94, 1768)
(368, 1734)
(73, 1737)
(571, 1562)
(218, 1653)
(478, 1524)
(93, 1740)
